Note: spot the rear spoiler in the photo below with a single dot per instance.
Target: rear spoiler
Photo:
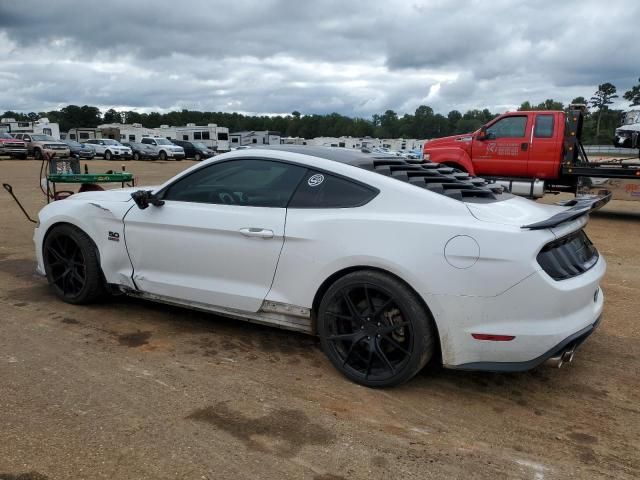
(579, 206)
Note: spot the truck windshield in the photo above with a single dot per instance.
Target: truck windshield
(163, 141)
(41, 138)
(631, 117)
(5, 135)
(110, 142)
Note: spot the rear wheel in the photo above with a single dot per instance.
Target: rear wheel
(374, 329)
(107, 155)
(72, 266)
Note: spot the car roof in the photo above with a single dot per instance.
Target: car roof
(355, 157)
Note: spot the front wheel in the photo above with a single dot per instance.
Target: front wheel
(198, 157)
(107, 155)
(37, 154)
(136, 156)
(163, 155)
(374, 329)
(71, 265)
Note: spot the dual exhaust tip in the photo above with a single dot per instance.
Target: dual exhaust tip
(559, 360)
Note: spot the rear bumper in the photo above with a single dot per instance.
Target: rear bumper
(541, 314)
(571, 342)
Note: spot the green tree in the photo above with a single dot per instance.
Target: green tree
(112, 116)
(525, 107)
(602, 98)
(633, 95)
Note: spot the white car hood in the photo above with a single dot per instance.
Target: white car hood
(515, 211)
(115, 195)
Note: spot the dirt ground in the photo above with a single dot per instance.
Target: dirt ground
(129, 389)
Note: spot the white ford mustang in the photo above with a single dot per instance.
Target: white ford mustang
(390, 261)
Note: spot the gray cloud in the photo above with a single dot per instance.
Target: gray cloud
(275, 56)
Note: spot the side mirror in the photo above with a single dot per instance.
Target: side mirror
(144, 198)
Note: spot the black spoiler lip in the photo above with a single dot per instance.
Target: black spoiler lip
(579, 206)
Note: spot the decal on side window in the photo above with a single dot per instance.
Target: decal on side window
(315, 180)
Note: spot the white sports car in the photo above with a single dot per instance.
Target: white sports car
(390, 261)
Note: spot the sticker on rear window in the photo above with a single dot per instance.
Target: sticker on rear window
(315, 180)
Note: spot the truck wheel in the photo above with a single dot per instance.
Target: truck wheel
(71, 265)
(37, 154)
(163, 155)
(107, 155)
(375, 329)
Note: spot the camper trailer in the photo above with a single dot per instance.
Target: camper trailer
(40, 126)
(211, 135)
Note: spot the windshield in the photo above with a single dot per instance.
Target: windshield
(5, 135)
(110, 142)
(40, 138)
(72, 143)
(162, 141)
(200, 145)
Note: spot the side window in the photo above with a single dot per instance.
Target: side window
(197, 136)
(321, 190)
(132, 138)
(146, 141)
(251, 183)
(185, 137)
(205, 136)
(544, 126)
(508, 127)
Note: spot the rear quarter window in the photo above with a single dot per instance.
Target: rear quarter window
(322, 190)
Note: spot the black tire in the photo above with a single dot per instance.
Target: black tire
(197, 157)
(108, 155)
(136, 156)
(374, 329)
(163, 155)
(37, 154)
(72, 266)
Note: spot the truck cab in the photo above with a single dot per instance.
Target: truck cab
(514, 144)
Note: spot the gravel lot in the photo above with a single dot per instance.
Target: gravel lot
(129, 389)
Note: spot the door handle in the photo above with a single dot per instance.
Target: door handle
(524, 146)
(257, 232)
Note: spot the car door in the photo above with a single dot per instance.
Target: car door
(504, 151)
(217, 238)
(545, 146)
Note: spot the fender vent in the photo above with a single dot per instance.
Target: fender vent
(435, 177)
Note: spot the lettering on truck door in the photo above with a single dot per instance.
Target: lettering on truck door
(505, 149)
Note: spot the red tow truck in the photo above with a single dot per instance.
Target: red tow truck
(535, 152)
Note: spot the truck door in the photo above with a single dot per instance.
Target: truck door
(504, 151)
(545, 146)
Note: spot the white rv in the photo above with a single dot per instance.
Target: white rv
(211, 135)
(628, 134)
(41, 126)
(257, 137)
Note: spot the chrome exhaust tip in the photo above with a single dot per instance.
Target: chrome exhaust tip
(559, 360)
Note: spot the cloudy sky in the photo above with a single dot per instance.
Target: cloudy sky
(275, 56)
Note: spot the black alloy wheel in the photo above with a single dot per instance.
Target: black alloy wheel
(374, 329)
(71, 265)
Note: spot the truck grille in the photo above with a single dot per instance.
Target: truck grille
(568, 256)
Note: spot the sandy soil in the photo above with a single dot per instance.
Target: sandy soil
(128, 389)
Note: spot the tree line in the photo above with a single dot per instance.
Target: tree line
(599, 126)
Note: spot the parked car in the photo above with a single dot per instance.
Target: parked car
(82, 150)
(142, 151)
(37, 144)
(196, 150)
(109, 148)
(12, 146)
(391, 262)
(164, 147)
